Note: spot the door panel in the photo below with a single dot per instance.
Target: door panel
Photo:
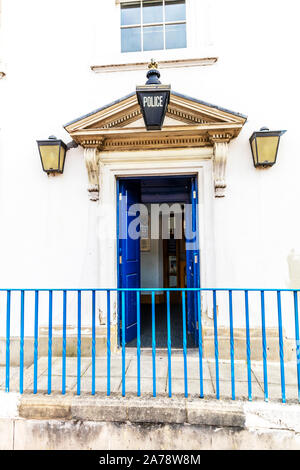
(192, 260)
(129, 255)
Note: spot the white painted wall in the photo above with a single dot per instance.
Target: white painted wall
(48, 224)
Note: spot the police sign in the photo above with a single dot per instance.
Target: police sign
(153, 99)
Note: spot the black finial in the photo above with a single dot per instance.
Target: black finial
(153, 74)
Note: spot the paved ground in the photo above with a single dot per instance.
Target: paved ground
(177, 375)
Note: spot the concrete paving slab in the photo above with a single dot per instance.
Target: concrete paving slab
(274, 374)
(14, 373)
(192, 368)
(101, 367)
(193, 387)
(161, 364)
(241, 390)
(146, 385)
(29, 374)
(56, 383)
(71, 366)
(241, 385)
(291, 392)
(100, 384)
(240, 371)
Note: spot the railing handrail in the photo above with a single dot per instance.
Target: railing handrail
(149, 289)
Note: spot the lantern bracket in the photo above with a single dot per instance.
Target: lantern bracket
(72, 145)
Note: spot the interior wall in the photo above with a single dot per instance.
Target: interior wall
(152, 263)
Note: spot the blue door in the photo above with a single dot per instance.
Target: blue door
(192, 259)
(129, 253)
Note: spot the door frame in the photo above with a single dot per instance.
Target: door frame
(194, 184)
(122, 164)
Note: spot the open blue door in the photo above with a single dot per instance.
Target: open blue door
(129, 254)
(192, 259)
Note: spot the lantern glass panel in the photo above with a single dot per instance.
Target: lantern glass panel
(62, 158)
(253, 146)
(50, 157)
(266, 149)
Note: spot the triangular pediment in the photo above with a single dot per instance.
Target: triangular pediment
(185, 116)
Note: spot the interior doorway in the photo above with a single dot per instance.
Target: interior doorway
(158, 247)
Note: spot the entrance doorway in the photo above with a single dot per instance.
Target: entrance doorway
(158, 248)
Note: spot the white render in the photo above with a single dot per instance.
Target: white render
(52, 234)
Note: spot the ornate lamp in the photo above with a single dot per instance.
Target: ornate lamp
(53, 153)
(153, 98)
(264, 147)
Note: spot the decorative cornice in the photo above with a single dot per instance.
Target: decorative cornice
(185, 116)
(220, 137)
(123, 120)
(155, 142)
(163, 64)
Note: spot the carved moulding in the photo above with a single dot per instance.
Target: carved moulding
(220, 146)
(91, 159)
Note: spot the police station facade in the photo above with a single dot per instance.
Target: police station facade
(80, 85)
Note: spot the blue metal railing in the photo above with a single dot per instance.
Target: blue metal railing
(213, 292)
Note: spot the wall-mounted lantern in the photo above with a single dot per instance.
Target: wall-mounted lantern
(53, 153)
(153, 98)
(264, 147)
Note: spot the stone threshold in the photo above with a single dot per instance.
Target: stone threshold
(163, 410)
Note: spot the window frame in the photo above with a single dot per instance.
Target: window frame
(164, 23)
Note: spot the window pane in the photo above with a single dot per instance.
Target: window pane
(175, 36)
(175, 10)
(153, 38)
(153, 12)
(130, 39)
(130, 14)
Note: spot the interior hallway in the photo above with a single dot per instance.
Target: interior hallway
(161, 335)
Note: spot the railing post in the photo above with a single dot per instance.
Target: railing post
(216, 344)
(22, 342)
(64, 342)
(50, 342)
(93, 341)
(153, 344)
(297, 340)
(264, 343)
(108, 342)
(169, 345)
(123, 344)
(231, 346)
(184, 344)
(281, 352)
(78, 341)
(200, 345)
(248, 348)
(7, 373)
(36, 334)
(138, 341)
